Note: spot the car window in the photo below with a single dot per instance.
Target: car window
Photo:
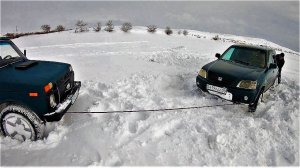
(7, 54)
(7, 51)
(270, 58)
(228, 54)
(246, 56)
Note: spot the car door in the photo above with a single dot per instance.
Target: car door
(271, 73)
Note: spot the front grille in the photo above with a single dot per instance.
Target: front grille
(214, 78)
(67, 79)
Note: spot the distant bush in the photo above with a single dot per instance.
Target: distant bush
(60, 28)
(46, 28)
(179, 32)
(216, 37)
(185, 32)
(98, 27)
(168, 30)
(10, 35)
(109, 26)
(152, 28)
(81, 26)
(17, 35)
(126, 27)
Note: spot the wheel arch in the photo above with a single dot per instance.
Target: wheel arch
(262, 89)
(23, 110)
(17, 103)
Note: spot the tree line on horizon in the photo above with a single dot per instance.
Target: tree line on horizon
(81, 26)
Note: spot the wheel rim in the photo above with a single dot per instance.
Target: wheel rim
(18, 127)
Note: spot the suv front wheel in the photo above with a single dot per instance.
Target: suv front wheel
(21, 123)
(252, 107)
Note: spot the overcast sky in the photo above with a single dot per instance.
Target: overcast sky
(272, 20)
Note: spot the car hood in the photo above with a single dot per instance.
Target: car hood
(13, 78)
(233, 71)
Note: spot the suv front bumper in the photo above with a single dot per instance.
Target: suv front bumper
(233, 94)
(63, 107)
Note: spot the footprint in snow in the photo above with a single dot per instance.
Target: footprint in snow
(134, 119)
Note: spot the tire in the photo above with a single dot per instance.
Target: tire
(252, 107)
(21, 123)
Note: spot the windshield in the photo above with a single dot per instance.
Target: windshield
(7, 54)
(246, 56)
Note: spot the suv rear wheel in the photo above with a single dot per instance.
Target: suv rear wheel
(21, 123)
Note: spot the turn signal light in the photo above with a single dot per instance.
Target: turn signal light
(48, 87)
(33, 94)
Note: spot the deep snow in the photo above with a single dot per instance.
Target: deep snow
(139, 70)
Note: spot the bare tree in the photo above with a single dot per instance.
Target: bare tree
(46, 28)
(98, 27)
(168, 30)
(216, 37)
(127, 26)
(60, 28)
(179, 32)
(152, 28)
(185, 32)
(81, 26)
(109, 26)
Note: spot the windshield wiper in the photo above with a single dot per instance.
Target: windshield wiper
(242, 62)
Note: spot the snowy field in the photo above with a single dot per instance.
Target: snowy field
(139, 70)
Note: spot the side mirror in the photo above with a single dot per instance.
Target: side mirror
(25, 53)
(218, 55)
(272, 66)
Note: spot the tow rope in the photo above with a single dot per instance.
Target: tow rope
(153, 110)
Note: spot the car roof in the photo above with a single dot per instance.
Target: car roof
(3, 38)
(260, 47)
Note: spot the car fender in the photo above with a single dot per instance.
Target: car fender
(27, 102)
(14, 102)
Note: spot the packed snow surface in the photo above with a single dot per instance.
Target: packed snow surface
(139, 70)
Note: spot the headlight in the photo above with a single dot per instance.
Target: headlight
(70, 68)
(247, 84)
(203, 73)
(52, 101)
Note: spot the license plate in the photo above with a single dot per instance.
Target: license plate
(216, 89)
(75, 97)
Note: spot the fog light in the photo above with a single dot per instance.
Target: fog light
(246, 98)
(52, 101)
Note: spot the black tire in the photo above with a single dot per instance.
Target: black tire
(14, 118)
(252, 107)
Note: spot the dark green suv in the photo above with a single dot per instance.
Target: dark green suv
(241, 74)
(32, 92)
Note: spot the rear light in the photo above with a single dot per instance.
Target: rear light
(48, 87)
(33, 94)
